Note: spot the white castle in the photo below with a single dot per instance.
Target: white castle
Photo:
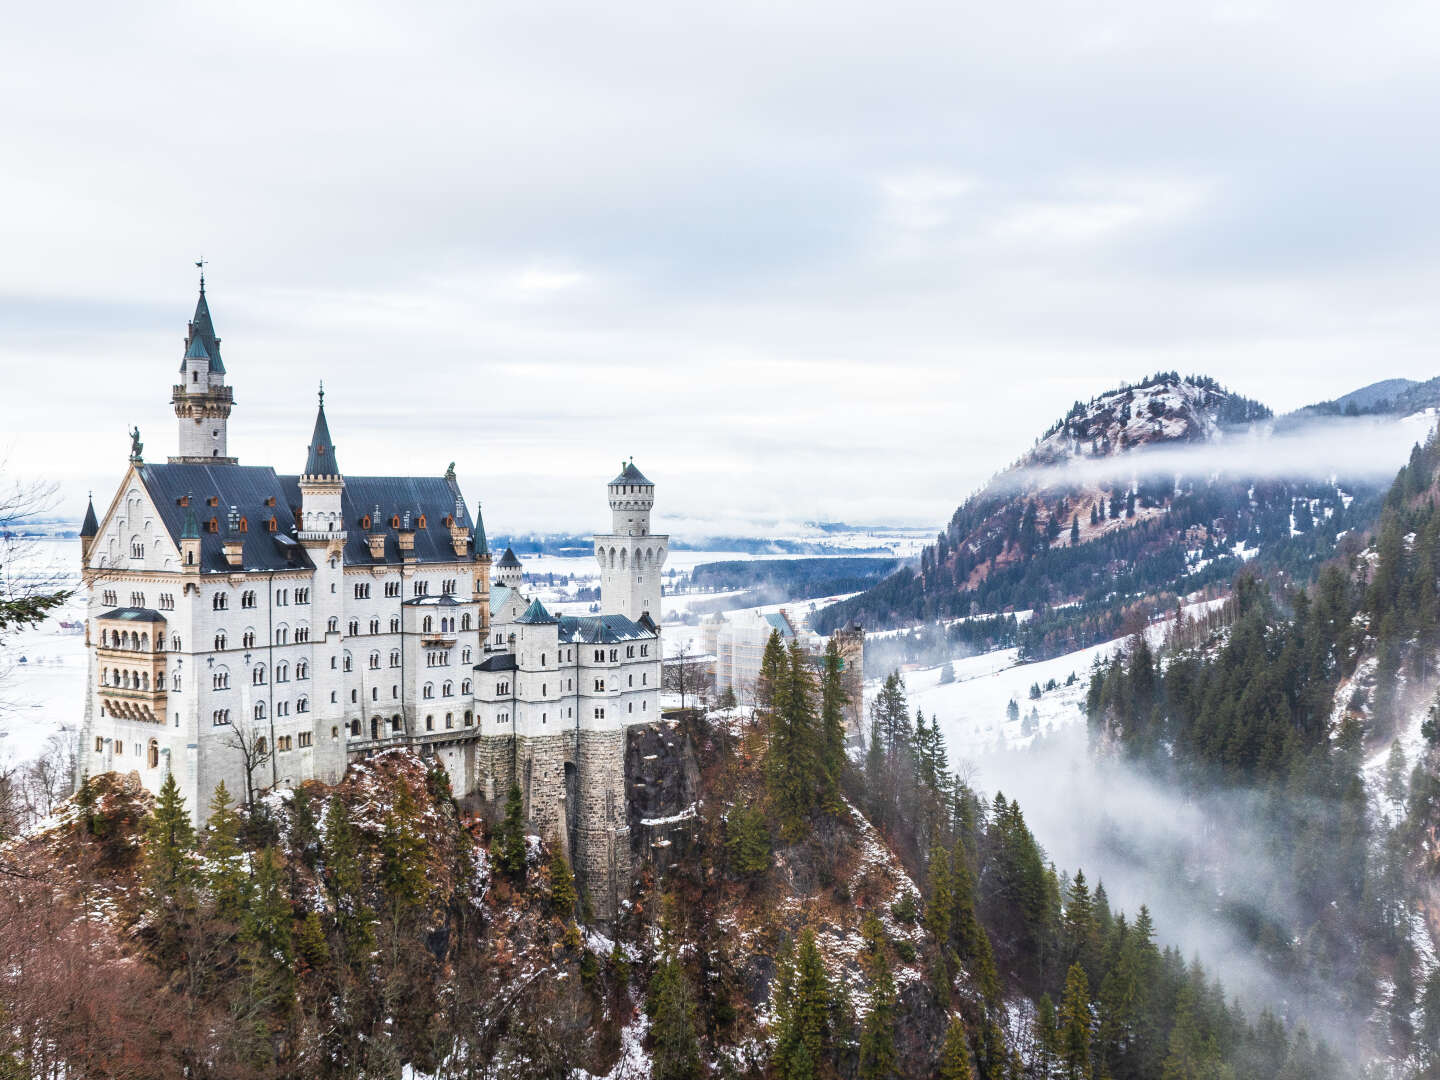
(262, 629)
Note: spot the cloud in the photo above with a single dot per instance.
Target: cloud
(890, 245)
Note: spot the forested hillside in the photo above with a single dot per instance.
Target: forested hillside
(811, 917)
(1277, 717)
(1082, 523)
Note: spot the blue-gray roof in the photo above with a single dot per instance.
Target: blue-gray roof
(779, 622)
(509, 558)
(600, 629)
(629, 474)
(200, 341)
(90, 526)
(504, 661)
(536, 615)
(133, 614)
(321, 459)
(251, 488)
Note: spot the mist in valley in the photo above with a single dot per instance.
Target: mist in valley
(1202, 864)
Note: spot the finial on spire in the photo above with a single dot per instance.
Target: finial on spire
(200, 262)
(322, 393)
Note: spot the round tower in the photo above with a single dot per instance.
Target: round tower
(632, 497)
(631, 557)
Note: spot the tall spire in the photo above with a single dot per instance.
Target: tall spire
(201, 398)
(321, 460)
(200, 339)
(91, 526)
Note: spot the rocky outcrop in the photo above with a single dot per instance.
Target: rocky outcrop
(662, 784)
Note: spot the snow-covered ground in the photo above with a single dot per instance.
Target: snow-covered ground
(971, 710)
(42, 670)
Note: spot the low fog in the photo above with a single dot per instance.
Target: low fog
(1150, 844)
(1355, 448)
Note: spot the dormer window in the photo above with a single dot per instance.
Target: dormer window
(395, 521)
(421, 522)
(214, 500)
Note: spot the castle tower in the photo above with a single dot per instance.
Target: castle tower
(631, 557)
(322, 533)
(202, 400)
(508, 571)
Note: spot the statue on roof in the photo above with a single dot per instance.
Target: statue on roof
(136, 446)
(450, 472)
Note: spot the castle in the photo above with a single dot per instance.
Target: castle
(262, 629)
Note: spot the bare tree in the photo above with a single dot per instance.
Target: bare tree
(255, 752)
(687, 675)
(28, 586)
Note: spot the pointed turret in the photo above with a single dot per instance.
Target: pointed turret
(88, 530)
(202, 400)
(321, 487)
(90, 527)
(321, 460)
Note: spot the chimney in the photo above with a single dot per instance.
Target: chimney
(459, 534)
(234, 542)
(376, 535)
(406, 536)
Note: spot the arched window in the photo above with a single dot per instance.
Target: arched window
(427, 625)
(465, 622)
(355, 727)
(374, 626)
(257, 676)
(302, 669)
(282, 672)
(220, 641)
(429, 691)
(333, 626)
(449, 721)
(374, 661)
(260, 744)
(465, 686)
(152, 754)
(469, 718)
(447, 689)
(353, 627)
(247, 639)
(259, 715)
(302, 705)
(219, 602)
(394, 657)
(349, 664)
(395, 624)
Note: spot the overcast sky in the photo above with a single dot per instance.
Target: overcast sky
(836, 261)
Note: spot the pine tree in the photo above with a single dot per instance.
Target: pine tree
(878, 1059)
(267, 945)
(832, 728)
(794, 765)
(310, 943)
(402, 855)
(939, 911)
(676, 1053)
(774, 670)
(563, 897)
(228, 881)
(972, 943)
(169, 843)
(509, 846)
(343, 879)
(1075, 529)
(171, 876)
(1074, 1032)
(954, 1054)
(747, 839)
(804, 1003)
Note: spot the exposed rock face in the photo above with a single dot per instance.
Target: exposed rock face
(662, 782)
